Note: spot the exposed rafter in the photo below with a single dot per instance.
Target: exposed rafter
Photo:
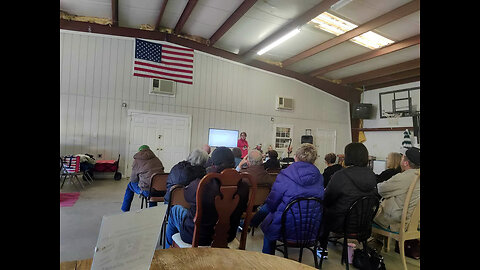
(160, 14)
(185, 14)
(114, 12)
(411, 41)
(236, 15)
(368, 26)
(408, 65)
(388, 78)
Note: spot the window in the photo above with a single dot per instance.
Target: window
(283, 136)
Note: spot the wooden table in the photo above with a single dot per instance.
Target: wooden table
(205, 258)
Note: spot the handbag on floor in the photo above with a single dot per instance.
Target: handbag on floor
(412, 248)
(368, 259)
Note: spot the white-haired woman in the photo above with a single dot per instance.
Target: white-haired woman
(186, 171)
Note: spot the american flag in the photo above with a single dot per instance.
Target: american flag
(163, 61)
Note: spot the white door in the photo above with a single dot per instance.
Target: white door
(325, 142)
(168, 136)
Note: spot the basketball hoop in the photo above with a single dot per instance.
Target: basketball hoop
(392, 118)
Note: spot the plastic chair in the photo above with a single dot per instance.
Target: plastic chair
(306, 214)
(71, 169)
(358, 224)
(158, 189)
(408, 230)
(225, 204)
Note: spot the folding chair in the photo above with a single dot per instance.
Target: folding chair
(70, 169)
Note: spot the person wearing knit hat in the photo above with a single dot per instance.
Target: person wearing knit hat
(395, 189)
(145, 164)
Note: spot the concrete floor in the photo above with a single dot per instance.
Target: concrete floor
(80, 225)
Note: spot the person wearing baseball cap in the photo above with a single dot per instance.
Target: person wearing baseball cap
(394, 191)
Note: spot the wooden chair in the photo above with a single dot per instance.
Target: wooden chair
(225, 204)
(306, 214)
(176, 197)
(158, 188)
(407, 231)
(260, 197)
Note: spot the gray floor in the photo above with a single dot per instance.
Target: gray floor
(80, 225)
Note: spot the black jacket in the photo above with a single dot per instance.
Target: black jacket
(182, 174)
(341, 192)
(210, 216)
(329, 171)
(385, 175)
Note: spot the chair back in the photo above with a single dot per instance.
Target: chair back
(177, 196)
(359, 218)
(225, 204)
(412, 224)
(261, 194)
(273, 170)
(158, 184)
(71, 164)
(306, 214)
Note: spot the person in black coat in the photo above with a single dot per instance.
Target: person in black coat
(345, 187)
(393, 167)
(181, 218)
(186, 171)
(331, 168)
(272, 161)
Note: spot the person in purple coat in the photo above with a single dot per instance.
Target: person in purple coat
(301, 179)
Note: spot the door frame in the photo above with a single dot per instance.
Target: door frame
(131, 112)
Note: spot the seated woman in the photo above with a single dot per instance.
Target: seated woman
(272, 161)
(345, 187)
(393, 167)
(186, 171)
(301, 178)
(181, 218)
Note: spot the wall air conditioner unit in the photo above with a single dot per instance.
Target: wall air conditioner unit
(283, 103)
(162, 87)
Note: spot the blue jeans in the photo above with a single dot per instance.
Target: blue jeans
(259, 216)
(175, 221)
(268, 246)
(133, 188)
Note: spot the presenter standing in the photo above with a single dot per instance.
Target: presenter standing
(243, 144)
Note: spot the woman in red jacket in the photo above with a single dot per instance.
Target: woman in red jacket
(243, 144)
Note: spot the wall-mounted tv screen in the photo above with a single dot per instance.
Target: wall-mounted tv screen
(362, 111)
(222, 137)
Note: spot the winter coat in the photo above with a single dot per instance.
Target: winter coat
(329, 171)
(182, 174)
(209, 215)
(300, 179)
(145, 164)
(394, 191)
(387, 174)
(344, 188)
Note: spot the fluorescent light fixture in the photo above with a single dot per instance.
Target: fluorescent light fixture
(338, 26)
(278, 41)
(340, 4)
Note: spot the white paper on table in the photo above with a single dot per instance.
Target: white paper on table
(127, 240)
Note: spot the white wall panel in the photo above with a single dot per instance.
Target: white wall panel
(95, 79)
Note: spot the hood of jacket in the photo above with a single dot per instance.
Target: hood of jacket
(145, 154)
(302, 173)
(365, 174)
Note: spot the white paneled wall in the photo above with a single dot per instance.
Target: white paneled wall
(95, 79)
